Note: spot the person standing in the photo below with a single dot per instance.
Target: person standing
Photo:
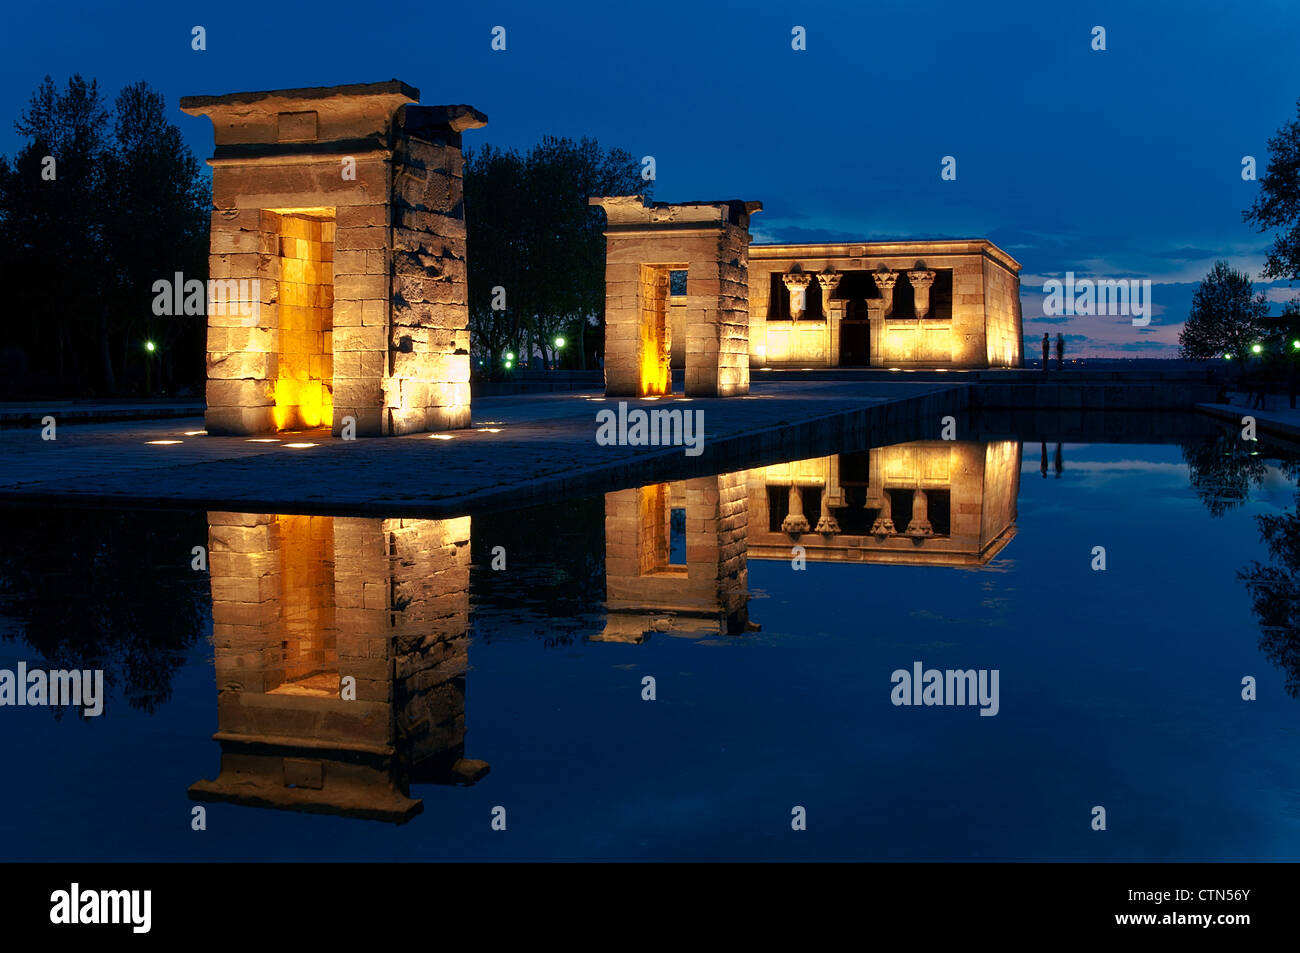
(1060, 351)
(1047, 350)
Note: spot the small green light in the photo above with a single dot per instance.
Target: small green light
(1296, 344)
(510, 355)
(510, 363)
(1257, 348)
(1227, 357)
(149, 346)
(559, 342)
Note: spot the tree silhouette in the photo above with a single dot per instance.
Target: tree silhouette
(1223, 470)
(1278, 203)
(532, 234)
(106, 590)
(1274, 589)
(83, 240)
(1226, 316)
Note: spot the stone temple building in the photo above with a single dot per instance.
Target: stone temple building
(950, 304)
(685, 289)
(337, 267)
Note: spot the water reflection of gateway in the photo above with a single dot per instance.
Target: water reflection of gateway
(676, 554)
(301, 602)
(675, 558)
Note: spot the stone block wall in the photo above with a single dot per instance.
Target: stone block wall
(428, 387)
(1004, 337)
(718, 287)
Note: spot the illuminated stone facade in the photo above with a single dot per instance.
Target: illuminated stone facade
(644, 244)
(950, 304)
(337, 261)
(299, 605)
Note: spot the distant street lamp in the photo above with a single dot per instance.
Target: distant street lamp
(1295, 346)
(1256, 348)
(149, 347)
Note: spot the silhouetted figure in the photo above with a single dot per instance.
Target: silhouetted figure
(1059, 462)
(1060, 351)
(1042, 465)
(1047, 350)
(1257, 395)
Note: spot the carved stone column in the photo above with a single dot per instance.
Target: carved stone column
(833, 312)
(921, 282)
(827, 524)
(797, 284)
(920, 523)
(834, 492)
(884, 524)
(795, 522)
(885, 281)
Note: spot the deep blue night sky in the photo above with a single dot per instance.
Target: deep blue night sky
(1122, 163)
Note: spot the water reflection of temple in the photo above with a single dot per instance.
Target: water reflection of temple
(302, 605)
(676, 554)
(931, 503)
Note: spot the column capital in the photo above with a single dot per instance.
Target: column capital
(795, 523)
(885, 280)
(919, 527)
(796, 283)
(829, 280)
(921, 282)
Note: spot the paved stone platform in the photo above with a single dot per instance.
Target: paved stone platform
(521, 449)
(29, 414)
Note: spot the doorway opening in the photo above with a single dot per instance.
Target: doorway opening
(655, 338)
(304, 385)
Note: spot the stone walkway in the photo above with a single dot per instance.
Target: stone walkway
(30, 414)
(521, 449)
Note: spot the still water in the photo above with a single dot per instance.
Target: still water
(497, 669)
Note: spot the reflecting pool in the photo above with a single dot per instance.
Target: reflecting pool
(691, 670)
